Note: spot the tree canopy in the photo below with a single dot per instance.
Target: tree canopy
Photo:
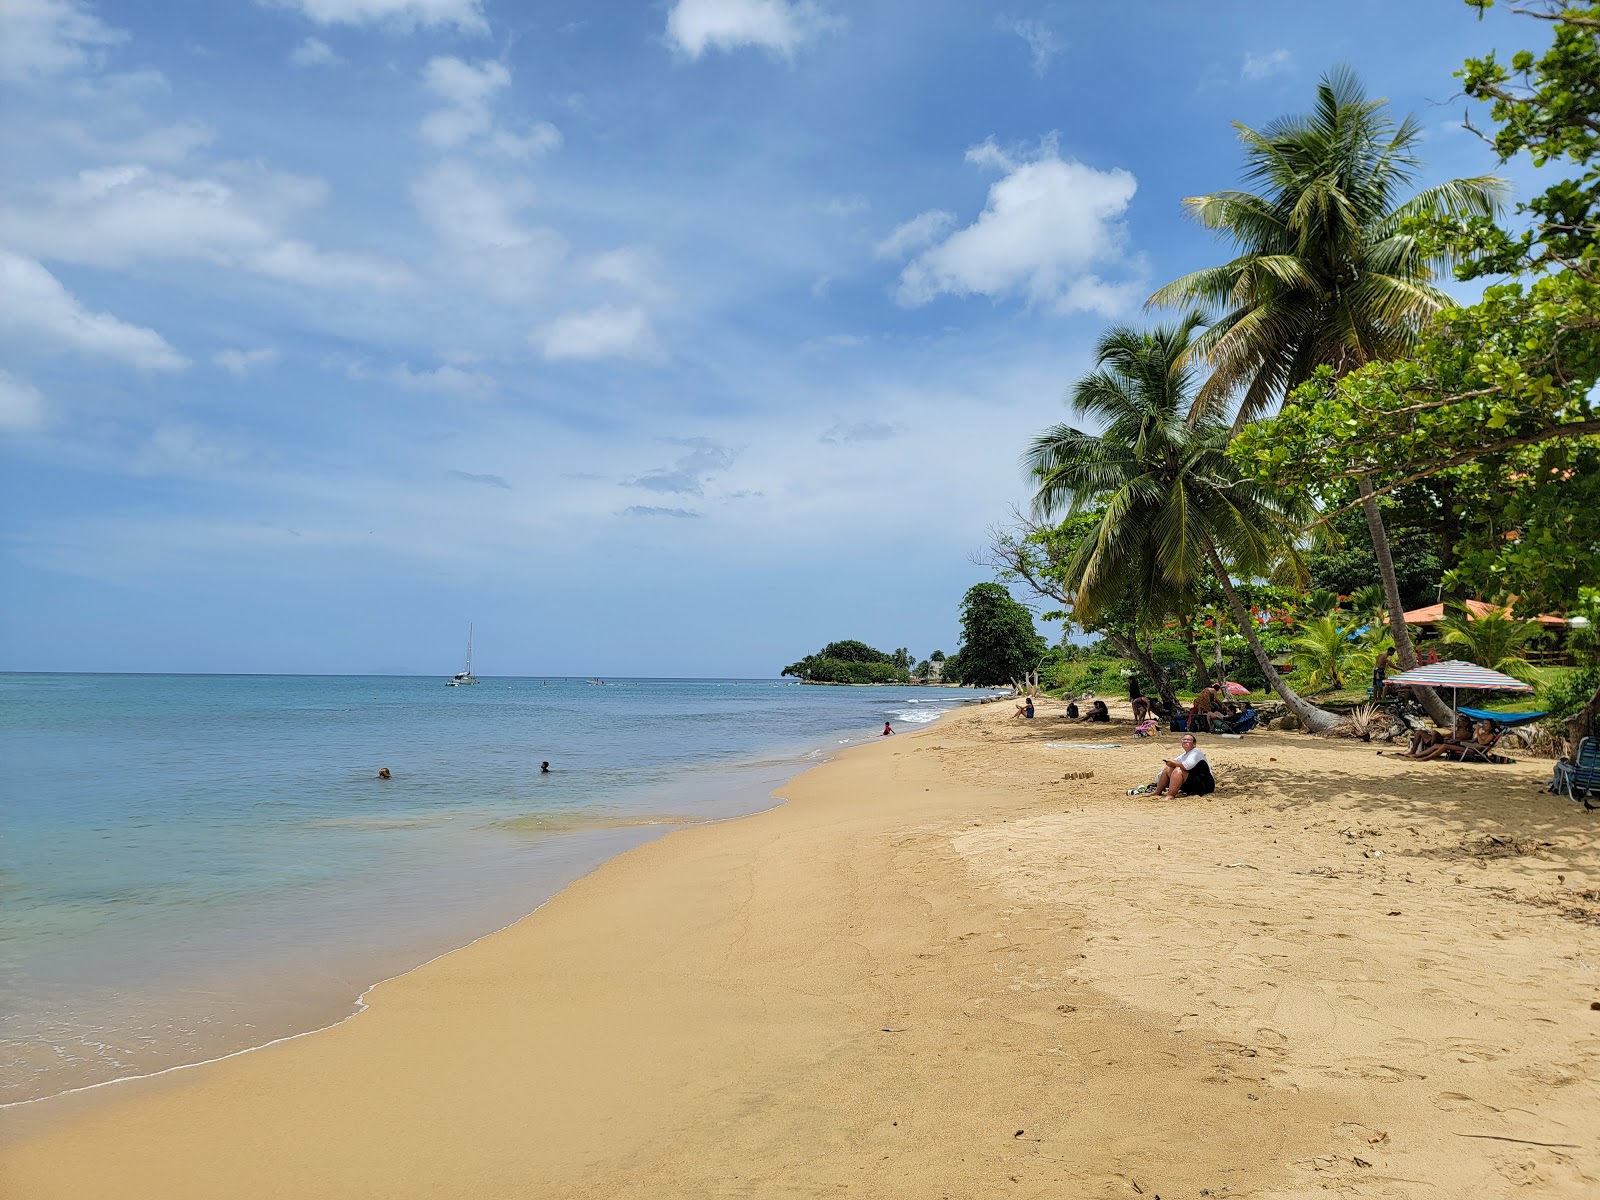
(999, 644)
(851, 662)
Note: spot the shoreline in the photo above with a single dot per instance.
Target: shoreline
(909, 935)
(244, 1004)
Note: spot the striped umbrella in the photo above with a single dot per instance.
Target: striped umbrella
(1455, 674)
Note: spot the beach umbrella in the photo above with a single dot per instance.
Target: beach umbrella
(1236, 689)
(1455, 674)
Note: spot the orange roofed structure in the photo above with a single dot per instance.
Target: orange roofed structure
(1434, 613)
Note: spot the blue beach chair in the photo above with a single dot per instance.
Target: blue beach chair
(1576, 779)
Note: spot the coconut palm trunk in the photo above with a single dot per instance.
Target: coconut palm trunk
(1404, 650)
(1313, 718)
(1328, 270)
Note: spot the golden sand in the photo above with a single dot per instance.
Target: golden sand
(945, 970)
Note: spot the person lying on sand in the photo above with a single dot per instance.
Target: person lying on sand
(1189, 773)
(1424, 740)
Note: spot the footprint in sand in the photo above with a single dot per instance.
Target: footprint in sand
(1467, 1050)
(1407, 1045)
(1461, 1102)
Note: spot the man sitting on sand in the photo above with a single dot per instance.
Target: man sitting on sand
(1189, 773)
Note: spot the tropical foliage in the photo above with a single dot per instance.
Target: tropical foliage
(1321, 654)
(999, 644)
(1494, 639)
(1329, 273)
(851, 662)
(1171, 503)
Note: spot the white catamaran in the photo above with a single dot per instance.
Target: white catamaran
(462, 678)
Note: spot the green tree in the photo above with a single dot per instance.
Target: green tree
(848, 662)
(1173, 503)
(1322, 652)
(1495, 640)
(1037, 556)
(999, 644)
(1329, 271)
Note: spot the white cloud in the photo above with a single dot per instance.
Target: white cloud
(185, 450)
(314, 52)
(465, 15)
(21, 405)
(1048, 220)
(165, 144)
(845, 206)
(485, 240)
(467, 91)
(781, 26)
(33, 304)
(1042, 41)
(242, 362)
(117, 216)
(294, 261)
(51, 37)
(1263, 66)
(604, 332)
(913, 235)
(634, 269)
(445, 380)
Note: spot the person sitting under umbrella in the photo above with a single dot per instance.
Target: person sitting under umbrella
(1430, 743)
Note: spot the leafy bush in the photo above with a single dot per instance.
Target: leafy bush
(848, 662)
(1568, 694)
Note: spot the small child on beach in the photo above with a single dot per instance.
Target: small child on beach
(886, 729)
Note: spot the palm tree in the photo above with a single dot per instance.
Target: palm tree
(1322, 653)
(1328, 272)
(1494, 640)
(1173, 503)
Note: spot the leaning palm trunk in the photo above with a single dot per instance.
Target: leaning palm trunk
(1404, 650)
(1196, 657)
(1129, 647)
(1317, 720)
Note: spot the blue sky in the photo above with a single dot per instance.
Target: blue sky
(660, 338)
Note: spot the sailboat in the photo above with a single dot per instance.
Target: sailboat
(462, 678)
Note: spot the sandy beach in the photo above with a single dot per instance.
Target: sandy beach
(963, 963)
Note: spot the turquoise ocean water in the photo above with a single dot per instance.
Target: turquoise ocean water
(192, 865)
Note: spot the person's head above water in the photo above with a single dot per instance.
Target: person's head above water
(383, 772)
(544, 767)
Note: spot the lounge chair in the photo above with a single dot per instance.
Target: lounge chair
(1476, 751)
(1578, 778)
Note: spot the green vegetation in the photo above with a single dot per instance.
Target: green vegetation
(999, 644)
(852, 662)
(1171, 503)
(1462, 441)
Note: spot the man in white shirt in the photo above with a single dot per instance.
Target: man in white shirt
(1189, 773)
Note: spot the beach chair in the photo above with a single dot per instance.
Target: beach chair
(1483, 752)
(1581, 776)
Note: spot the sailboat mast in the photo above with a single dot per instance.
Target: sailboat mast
(469, 648)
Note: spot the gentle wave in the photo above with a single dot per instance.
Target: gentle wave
(569, 822)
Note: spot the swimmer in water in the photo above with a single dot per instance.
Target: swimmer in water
(383, 772)
(544, 768)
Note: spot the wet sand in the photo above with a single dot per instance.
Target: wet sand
(944, 969)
